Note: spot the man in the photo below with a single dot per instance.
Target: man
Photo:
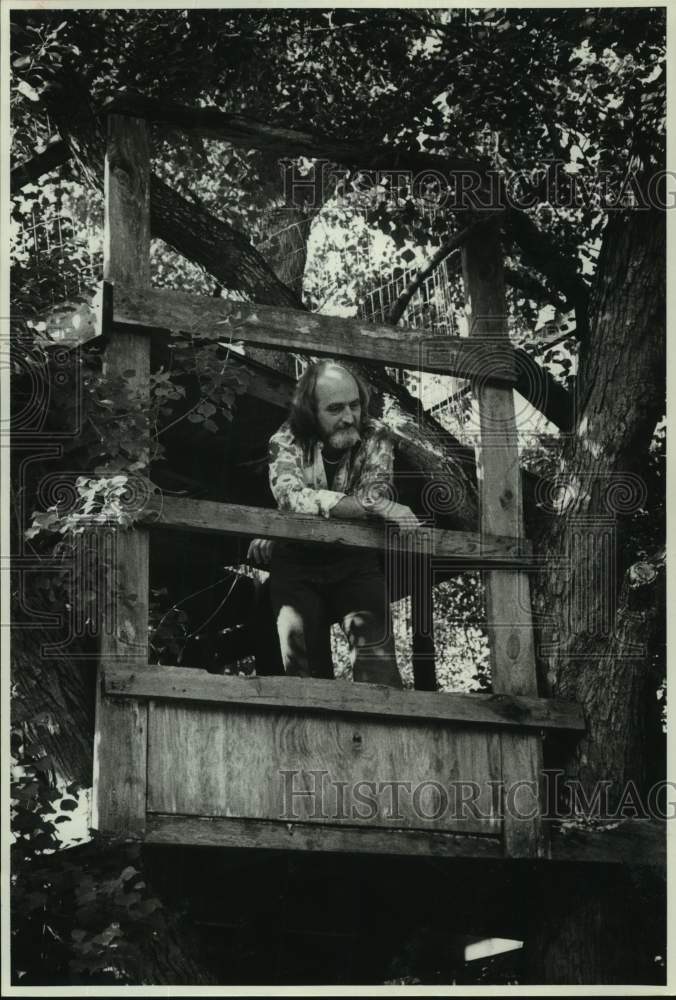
(330, 458)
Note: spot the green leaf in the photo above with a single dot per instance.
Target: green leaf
(25, 88)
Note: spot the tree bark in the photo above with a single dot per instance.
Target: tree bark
(621, 397)
(596, 602)
(603, 926)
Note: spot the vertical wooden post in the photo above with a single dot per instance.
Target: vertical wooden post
(510, 627)
(422, 625)
(120, 744)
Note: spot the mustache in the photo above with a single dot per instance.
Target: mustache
(351, 431)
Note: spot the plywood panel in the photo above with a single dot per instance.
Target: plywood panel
(284, 765)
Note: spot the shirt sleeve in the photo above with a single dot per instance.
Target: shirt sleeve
(373, 480)
(287, 482)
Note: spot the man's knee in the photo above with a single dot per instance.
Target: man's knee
(292, 641)
(366, 628)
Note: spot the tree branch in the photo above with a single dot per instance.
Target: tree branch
(542, 391)
(399, 307)
(53, 156)
(222, 250)
(540, 254)
(534, 382)
(534, 289)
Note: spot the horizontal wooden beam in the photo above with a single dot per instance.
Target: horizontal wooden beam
(251, 133)
(272, 835)
(635, 842)
(465, 548)
(336, 696)
(312, 333)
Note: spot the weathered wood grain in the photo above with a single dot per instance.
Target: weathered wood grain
(313, 694)
(524, 833)
(120, 733)
(289, 765)
(509, 619)
(252, 833)
(635, 843)
(119, 774)
(312, 333)
(470, 549)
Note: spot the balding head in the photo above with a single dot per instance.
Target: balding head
(338, 407)
(329, 400)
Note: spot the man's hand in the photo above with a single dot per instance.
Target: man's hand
(260, 552)
(399, 514)
(383, 508)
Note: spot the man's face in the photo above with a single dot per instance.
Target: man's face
(338, 408)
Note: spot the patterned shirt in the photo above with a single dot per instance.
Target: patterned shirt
(298, 478)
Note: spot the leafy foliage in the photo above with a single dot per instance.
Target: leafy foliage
(72, 921)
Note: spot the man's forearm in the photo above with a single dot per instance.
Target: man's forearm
(348, 508)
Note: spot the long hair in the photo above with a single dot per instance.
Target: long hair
(303, 413)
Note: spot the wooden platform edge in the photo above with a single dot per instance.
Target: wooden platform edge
(313, 694)
(638, 843)
(274, 835)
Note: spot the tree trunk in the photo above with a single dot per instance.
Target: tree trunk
(603, 926)
(596, 600)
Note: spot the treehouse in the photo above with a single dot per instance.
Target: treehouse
(187, 756)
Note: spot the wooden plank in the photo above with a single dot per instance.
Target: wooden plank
(509, 620)
(470, 549)
(249, 833)
(524, 832)
(422, 626)
(251, 133)
(311, 333)
(316, 695)
(293, 765)
(78, 323)
(120, 736)
(120, 766)
(635, 842)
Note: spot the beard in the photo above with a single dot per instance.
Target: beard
(343, 439)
